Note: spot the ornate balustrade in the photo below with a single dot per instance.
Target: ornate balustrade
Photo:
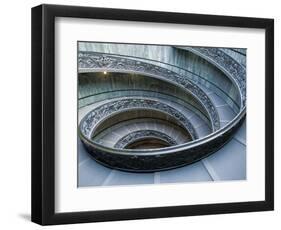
(227, 64)
(96, 62)
(142, 134)
(176, 155)
(166, 158)
(91, 121)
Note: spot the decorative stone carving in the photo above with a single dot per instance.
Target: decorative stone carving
(97, 61)
(132, 161)
(172, 157)
(229, 65)
(140, 134)
(94, 117)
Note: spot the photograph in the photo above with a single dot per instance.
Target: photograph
(141, 114)
(156, 114)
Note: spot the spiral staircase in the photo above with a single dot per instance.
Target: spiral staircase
(160, 114)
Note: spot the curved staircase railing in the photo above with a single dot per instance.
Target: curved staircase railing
(173, 156)
(96, 62)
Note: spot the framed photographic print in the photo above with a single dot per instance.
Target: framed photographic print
(143, 114)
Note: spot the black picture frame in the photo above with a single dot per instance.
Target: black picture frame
(43, 114)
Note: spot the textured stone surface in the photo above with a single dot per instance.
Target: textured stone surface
(97, 88)
(92, 119)
(155, 161)
(141, 134)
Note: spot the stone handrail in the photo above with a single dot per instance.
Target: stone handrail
(173, 156)
(141, 134)
(92, 119)
(227, 64)
(96, 62)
